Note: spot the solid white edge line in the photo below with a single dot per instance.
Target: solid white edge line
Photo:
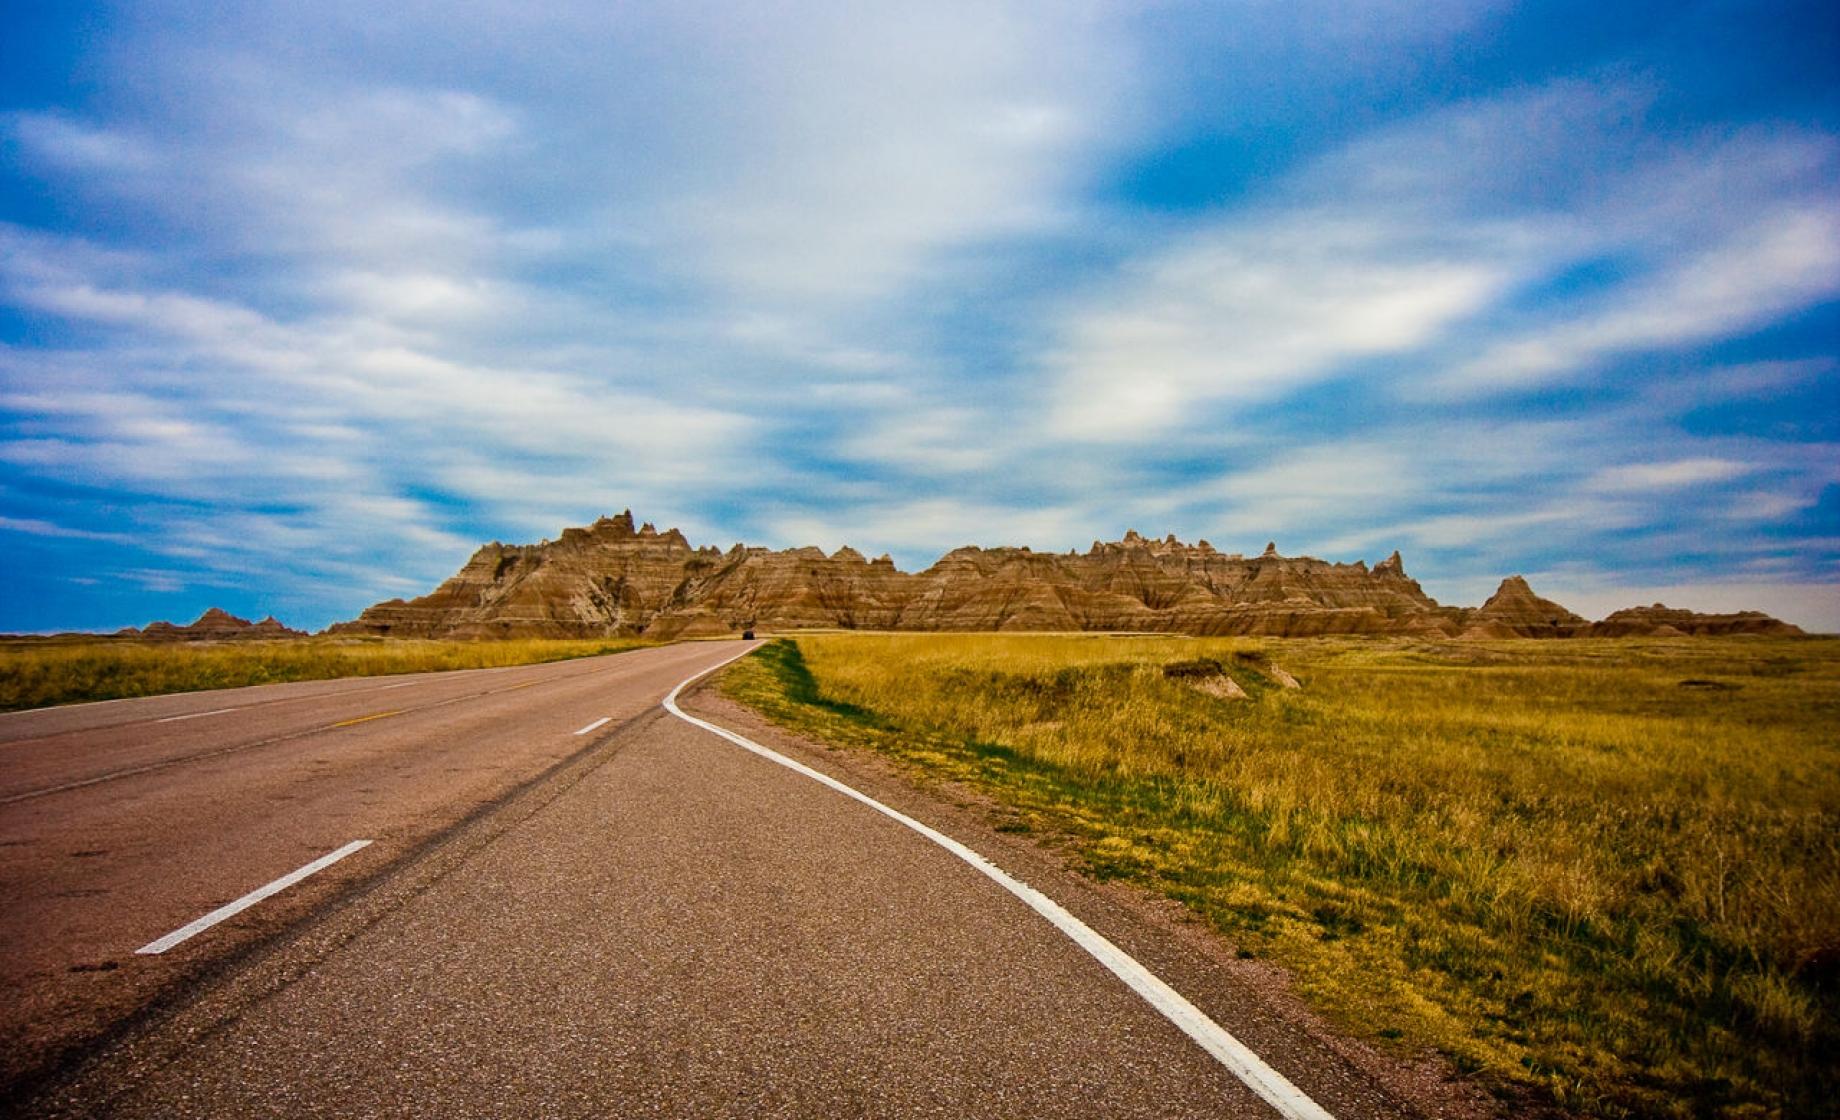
(1272, 1086)
(231, 910)
(601, 722)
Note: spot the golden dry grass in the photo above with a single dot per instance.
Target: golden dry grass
(1580, 878)
(35, 673)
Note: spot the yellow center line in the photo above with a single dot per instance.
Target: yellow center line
(514, 687)
(367, 719)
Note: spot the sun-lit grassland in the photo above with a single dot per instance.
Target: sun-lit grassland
(38, 672)
(1602, 872)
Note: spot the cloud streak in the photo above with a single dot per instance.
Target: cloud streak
(301, 304)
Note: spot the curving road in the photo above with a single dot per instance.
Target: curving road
(571, 904)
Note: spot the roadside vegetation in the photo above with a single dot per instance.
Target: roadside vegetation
(1602, 874)
(35, 673)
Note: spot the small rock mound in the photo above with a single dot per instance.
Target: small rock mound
(1515, 609)
(1661, 621)
(214, 625)
(1205, 675)
(1281, 678)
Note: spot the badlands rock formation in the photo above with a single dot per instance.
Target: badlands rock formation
(214, 625)
(1661, 621)
(613, 579)
(1514, 611)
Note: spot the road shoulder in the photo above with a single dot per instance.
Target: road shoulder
(1252, 999)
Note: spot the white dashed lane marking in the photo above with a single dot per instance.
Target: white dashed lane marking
(192, 929)
(198, 715)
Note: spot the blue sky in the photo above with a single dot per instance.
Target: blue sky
(300, 303)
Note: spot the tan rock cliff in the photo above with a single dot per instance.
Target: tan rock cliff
(1514, 610)
(611, 579)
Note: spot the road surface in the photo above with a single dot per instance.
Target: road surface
(572, 903)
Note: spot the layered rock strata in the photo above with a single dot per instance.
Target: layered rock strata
(1661, 621)
(611, 578)
(1514, 611)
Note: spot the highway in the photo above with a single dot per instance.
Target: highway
(535, 891)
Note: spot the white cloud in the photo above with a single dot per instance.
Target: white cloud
(164, 581)
(416, 297)
(337, 419)
(856, 148)
(1484, 529)
(1786, 261)
(68, 144)
(399, 126)
(810, 266)
(919, 531)
(1765, 507)
(37, 527)
(1305, 490)
(1255, 311)
(1418, 244)
(802, 159)
(1749, 381)
(925, 440)
(1669, 475)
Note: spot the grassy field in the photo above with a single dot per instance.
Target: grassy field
(39, 672)
(1600, 874)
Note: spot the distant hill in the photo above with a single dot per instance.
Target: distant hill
(613, 579)
(214, 625)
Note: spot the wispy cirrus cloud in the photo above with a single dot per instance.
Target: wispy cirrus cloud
(416, 349)
(1437, 242)
(1786, 260)
(305, 301)
(32, 526)
(1255, 312)
(1670, 475)
(56, 139)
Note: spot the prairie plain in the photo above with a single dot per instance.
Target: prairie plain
(1596, 875)
(37, 672)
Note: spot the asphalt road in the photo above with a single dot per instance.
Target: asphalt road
(641, 919)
